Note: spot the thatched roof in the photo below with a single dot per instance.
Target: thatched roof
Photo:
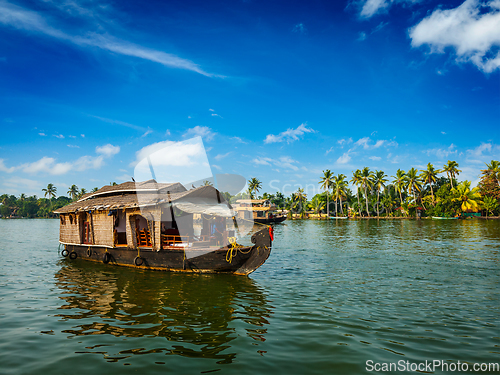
(132, 187)
(132, 195)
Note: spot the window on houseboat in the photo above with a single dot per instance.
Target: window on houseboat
(261, 214)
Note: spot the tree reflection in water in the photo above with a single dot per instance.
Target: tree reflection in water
(197, 314)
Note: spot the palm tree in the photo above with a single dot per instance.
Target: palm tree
(413, 183)
(340, 185)
(366, 178)
(451, 169)
(94, 190)
(317, 205)
(22, 197)
(326, 183)
(254, 185)
(73, 191)
(356, 180)
(82, 192)
(399, 183)
(429, 176)
(51, 191)
(379, 183)
(493, 170)
(301, 198)
(489, 204)
(471, 199)
(207, 183)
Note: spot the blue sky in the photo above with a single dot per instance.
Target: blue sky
(277, 90)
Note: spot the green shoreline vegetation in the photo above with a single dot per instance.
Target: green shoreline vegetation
(377, 195)
(400, 196)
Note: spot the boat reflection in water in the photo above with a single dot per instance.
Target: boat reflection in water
(197, 315)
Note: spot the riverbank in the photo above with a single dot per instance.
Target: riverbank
(325, 217)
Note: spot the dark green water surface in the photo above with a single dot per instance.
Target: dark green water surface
(332, 296)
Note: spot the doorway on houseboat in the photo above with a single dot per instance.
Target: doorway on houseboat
(120, 228)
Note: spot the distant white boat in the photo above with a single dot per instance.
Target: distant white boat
(339, 217)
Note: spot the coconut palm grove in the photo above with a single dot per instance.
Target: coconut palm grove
(427, 192)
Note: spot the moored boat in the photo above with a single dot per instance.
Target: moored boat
(261, 211)
(150, 225)
(444, 218)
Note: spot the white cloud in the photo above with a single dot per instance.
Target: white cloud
(472, 29)
(28, 20)
(366, 143)
(200, 131)
(149, 131)
(16, 185)
(299, 28)
(60, 136)
(343, 142)
(49, 165)
(82, 135)
(108, 150)
(289, 135)
(3, 167)
(329, 150)
(363, 142)
(216, 115)
(375, 158)
(483, 153)
(117, 122)
(73, 146)
(344, 159)
(211, 110)
(442, 153)
(71, 136)
(371, 7)
(216, 167)
(221, 156)
(170, 161)
(46, 165)
(282, 162)
(238, 139)
(361, 36)
(42, 134)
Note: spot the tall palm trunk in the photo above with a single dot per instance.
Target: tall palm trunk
(341, 209)
(378, 202)
(328, 204)
(359, 204)
(336, 206)
(432, 193)
(366, 200)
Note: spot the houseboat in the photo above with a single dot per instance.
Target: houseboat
(259, 210)
(149, 225)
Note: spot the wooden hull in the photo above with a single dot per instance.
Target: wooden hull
(242, 262)
(270, 221)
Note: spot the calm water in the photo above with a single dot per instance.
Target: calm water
(331, 296)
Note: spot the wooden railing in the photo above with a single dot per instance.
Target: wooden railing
(143, 238)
